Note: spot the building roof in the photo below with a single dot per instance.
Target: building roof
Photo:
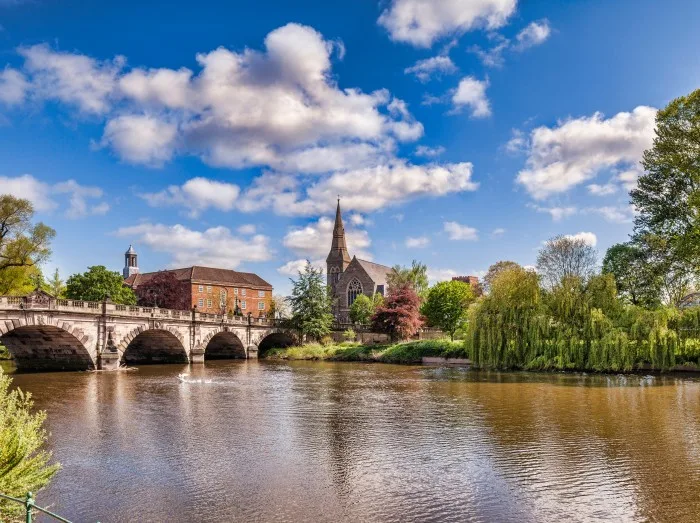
(130, 250)
(375, 271)
(209, 275)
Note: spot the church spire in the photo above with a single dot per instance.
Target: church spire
(338, 256)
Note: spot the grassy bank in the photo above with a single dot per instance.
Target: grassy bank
(405, 352)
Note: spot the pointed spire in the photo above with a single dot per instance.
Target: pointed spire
(339, 248)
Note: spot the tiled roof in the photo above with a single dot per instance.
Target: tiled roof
(209, 275)
(375, 271)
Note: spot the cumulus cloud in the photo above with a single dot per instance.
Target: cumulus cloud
(423, 70)
(13, 86)
(493, 56)
(294, 267)
(456, 231)
(557, 213)
(518, 142)
(419, 242)
(587, 237)
(213, 247)
(422, 22)
(438, 275)
(471, 93)
(313, 240)
(534, 34)
(500, 231)
(620, 214)
(602, 190)
(577, 150)
(429, 152)
(247, 229)
(142, 139)
(45, 196)
(197, 195)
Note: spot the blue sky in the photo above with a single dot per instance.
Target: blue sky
(458, 132)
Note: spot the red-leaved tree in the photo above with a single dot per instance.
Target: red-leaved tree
(399, 315)
(164, 290)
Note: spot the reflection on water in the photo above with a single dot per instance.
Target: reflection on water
(330, 442)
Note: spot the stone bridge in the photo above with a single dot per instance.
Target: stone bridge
(43, 333)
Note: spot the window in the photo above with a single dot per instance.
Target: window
(209, 303)
(200, 303)
(243, 305)
(380, 289)
(201, 288)
(208, 289)
(242, 292)
(261, 294)
(334, 275)
(354, 290)
(261, 305)
(235, 291)
(222, 298)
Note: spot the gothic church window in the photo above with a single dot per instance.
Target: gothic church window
(335, 274)
(354, 290)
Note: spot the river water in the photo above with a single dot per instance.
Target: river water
(259, 441)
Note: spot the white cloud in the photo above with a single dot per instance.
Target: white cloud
(587, 237)
(294, 267)
(423, 70)
(498, 232)
(557, 213)
(314, 240)
(72, 78)
(13, 86)
(79, 196)
(472, 93)
(534, 34)
(602, 190)
(419, 242)
(456, 231)
(517, 143)
(492, 57)
(213, 247)
(438, 275)
(429, 152)
(247, 229)
(197, 195)
(358, 219)
(421, 22)
(29, 188)
(622, 214)
(577, 150)
(141, 139)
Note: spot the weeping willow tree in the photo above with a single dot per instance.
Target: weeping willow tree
(573, 325)
(24, 465)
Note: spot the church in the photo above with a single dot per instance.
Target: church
(349, 277)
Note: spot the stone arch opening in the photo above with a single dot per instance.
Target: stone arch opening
(38, 348)
(276, 340)
(154, 346)
(224, 345)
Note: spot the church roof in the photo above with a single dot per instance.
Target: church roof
(376, 271)
(206, 275)
(130, 250)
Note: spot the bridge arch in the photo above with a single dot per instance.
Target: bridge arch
(46, 345)
(146, 345)
(223, 345)
(275, 340)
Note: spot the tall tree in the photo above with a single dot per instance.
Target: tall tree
(279, 308)
(163, 290)
(311, 303)
(446, 305)
(97, 283)
(24, 464)
(22, 244)
(362, 309)
(636, 281)
(55, 285)
(566, 256)
(495, 270)
(416, 276)
(399, 315)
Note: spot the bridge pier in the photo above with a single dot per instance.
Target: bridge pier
(197, 355)
(108, 360)
(251, 352)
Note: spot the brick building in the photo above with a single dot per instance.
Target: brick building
(217, 290)
(473, 281)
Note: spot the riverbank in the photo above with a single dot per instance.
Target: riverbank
(404, 352)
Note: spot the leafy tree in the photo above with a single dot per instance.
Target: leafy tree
(565, 256)
(18, 281)
(362, 309)
(311, 303)
(55, 285)
(446, 305)
(634, 277)
(24, 465)
(667, 196)
(279, 308)
(98, 282)
(416, 276)
(399, 315)
(163, 290)
(22, 245)
(495, 270)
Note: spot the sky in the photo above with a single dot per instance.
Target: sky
(455, 132)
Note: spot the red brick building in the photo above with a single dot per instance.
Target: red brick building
(473, 281)
(217, 290)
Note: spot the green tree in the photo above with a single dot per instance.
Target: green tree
(667, 196)
(634, 276)
(495, 270)
(98, 282)
(55, 285)
(311, 304)
(446, 305)
(416, 276)
(564, 257)
(362, 309)
(22, 244)
(24, 464)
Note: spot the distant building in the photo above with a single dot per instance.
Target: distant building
(131, 265)
(349, 277)
(217, 290)
(690, 300)
(473, 281)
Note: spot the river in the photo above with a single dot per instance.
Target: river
(302, 441)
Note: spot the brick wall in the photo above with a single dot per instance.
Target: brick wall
(211, 298)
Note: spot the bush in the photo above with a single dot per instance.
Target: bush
(349, 335)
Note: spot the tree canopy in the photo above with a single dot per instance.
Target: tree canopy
(495, 270)
(416, 276)
(311, 303)
(163, 290)
(362, 309)
(97, 283)
(564, 256)
(399, 315)
(446, 305)
(635, 280)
